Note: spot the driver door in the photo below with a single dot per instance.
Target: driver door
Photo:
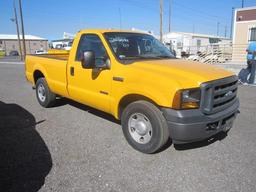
(90, 86)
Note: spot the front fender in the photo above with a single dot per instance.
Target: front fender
(160, 98)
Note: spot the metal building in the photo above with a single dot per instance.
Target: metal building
(10, 43)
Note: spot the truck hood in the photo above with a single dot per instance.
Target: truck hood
(183, 71)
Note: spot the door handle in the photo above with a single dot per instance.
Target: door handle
(72, 71)
(121, 79)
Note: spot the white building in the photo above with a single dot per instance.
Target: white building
(64, 43)
(192, 43)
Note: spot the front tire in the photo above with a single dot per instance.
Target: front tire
(45, 97)
(144, 127)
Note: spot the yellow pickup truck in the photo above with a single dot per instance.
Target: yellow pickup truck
(135, 78)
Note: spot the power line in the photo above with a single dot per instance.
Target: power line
(196, 10)
(189, 8)
(199, 14)
(139, 3)
(183, 22)
(206, 16)
(209, 25)
(145, 5)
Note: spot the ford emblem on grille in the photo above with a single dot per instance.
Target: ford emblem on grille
(229, 93)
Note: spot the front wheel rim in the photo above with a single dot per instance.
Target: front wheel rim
(140, 128)
(41, 93)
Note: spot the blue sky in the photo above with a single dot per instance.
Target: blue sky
(50, 18)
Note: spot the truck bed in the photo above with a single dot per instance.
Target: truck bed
(53, 67)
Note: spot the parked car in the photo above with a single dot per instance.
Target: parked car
(59, 46)
(135, 78)
(14, 53)
(67, 46)
(2, 53)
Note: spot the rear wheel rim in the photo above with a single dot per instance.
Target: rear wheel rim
(140, 128)
(41, 93)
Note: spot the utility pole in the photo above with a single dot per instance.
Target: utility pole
(161, 20)
(242, 3)
(17, 28)
(170, 13)
(22, 30)
(232, 20)
(218, 28)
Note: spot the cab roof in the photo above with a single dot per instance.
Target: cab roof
(108, 31)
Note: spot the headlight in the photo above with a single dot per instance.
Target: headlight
(187, 99)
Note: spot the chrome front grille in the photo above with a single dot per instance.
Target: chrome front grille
(218, 95)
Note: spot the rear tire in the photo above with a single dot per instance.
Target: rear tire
(45, 97)
(144, 127)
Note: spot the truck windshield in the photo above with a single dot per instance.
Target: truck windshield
(133, 46)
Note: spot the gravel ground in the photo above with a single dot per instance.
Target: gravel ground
(72, 147)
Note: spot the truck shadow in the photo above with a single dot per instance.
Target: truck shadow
(101, 114)
(25, 160)
(218, 137)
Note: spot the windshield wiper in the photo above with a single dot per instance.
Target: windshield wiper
(140, 57)
(146, 57)
(165, 56)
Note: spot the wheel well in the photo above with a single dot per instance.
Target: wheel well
(37, 74)
(126, 100)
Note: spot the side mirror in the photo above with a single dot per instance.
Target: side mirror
(88, 60)
(103, 66)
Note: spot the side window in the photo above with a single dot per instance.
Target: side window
(253, 34)
(198, 42)
(91, 42)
